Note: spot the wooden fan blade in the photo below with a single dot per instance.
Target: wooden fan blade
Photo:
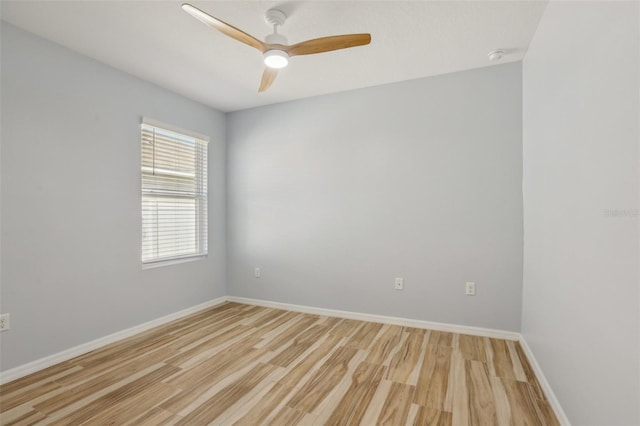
(327, 44)
(268, 76)
(223, 27)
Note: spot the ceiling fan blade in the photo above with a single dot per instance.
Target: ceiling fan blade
(268, 76)
(223, 27)
(327, 44)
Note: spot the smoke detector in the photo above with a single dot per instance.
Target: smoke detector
(496, 55)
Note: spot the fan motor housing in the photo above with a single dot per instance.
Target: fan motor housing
(276, 38)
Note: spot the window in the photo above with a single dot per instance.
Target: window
(174, 194)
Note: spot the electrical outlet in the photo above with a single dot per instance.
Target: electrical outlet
(256, 272)
(400, 283)
(470, 289)
(4, 322)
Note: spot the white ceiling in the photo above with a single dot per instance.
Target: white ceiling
(157, 41)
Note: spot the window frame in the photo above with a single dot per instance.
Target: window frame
(200, 196)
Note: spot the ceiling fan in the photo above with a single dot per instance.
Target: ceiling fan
(274, 49)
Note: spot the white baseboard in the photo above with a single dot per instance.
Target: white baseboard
(48, 361)
(453, 328)
(546, 387)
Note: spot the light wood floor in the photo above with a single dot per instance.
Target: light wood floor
(248, 365)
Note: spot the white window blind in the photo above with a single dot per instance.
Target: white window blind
(174, 195)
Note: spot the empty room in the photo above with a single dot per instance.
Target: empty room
(319, 212)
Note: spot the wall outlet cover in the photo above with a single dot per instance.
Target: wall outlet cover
(470, 289)
(4, 322)
(399, 284)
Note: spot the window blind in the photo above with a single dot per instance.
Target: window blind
(174, 195)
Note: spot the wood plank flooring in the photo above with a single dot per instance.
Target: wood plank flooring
(237, 364)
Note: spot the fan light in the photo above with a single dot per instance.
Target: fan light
(276, 58)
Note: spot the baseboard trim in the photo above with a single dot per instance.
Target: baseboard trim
(453, 328)
(546, 387)
(48, 361)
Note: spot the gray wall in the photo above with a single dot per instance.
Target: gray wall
(581, 302)
(71, 267)
(335, 196)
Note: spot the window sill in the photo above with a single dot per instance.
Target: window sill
(168, 262)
